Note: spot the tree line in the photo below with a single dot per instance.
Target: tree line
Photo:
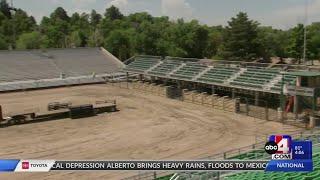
(141, 33)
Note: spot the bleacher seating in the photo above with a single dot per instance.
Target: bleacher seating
(143, 63)
(189, 71)
(287, 79)
(51, 63)
(255, 77)
(82, 61)
(37, 68)
(218, 74)
(24, 65)
(166, 67)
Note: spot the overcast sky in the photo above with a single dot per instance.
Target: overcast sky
(278, 13)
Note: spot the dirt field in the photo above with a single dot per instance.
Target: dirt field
(146, 127)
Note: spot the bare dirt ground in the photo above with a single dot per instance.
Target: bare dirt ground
(146, 127)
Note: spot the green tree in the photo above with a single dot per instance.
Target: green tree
(23, 23)
(78, 39)
(3, 43)
(59, 14)
(57, 28)
(191, 37)
(273, 42)
(5, 8)
(31, 40)
(240, 39)
(214, 41)
(113, 13)
(295, 48)
(118, 43)
(95, 18)
(95, 39)
(313, 42)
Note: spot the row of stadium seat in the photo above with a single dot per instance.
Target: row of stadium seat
(255, 77)
(189, 71)
(218, 74)
(166, 67)
(142, 63)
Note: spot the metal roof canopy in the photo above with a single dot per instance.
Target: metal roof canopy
(302, 73)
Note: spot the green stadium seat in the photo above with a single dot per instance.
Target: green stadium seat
(141, 64)
(255, 77)
(218, 74)
(189, 71)
(165, 68)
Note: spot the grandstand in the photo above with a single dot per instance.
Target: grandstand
(55, 67)
(250, 77)
(252, 83)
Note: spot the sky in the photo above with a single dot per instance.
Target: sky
(282, 14)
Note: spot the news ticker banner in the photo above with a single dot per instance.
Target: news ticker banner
(287, 155)
(203, 165)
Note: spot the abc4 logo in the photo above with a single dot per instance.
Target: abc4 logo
(278, 144)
